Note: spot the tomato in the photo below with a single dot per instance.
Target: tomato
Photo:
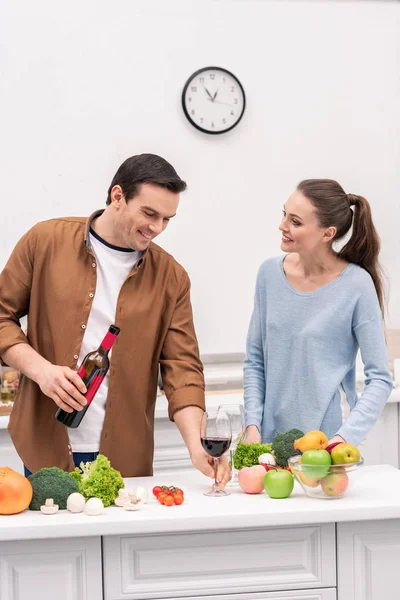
(177, 498)
(156, 490)
(168, 501)
(161, 497)
(178, 491)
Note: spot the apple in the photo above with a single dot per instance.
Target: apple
(345, 454)
(312, 482)
(278, 483)
(251, 479)
(332, 446)
(336, 483)
(315, 463)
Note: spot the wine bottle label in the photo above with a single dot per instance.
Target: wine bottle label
(108, 340)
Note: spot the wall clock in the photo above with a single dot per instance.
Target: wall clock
(213, 100)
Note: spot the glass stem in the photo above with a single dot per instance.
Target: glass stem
(233, 466)
(216, 486)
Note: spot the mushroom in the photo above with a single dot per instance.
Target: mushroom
(49, 508)
(94, 507)
(75, 502)
(266, 459)
(133, 502)
(123, 496)
(141, 493)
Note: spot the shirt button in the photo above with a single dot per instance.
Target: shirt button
(93, 264)
(69, 447)
(91, 295)
(83, 326)
(76, 356)
(70, 453)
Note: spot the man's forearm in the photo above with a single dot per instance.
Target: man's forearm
(188, 421)
(25, 359)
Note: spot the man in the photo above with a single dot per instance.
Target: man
(74, 277)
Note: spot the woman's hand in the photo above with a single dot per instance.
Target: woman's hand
(336, 438)
(253, 436)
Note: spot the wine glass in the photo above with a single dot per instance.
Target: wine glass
(235, 413)
(216, 436)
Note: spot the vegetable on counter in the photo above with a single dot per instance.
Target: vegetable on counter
(98, 479)
(51, 482)
(76, 503)
(247, 455)
(168, 495)
(49, 508)
(283, 448)
(15, 492)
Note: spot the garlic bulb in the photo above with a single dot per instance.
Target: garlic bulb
(266, 459)
(75, 502)
(94, 507)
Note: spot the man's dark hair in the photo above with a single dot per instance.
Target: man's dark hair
(145, 168)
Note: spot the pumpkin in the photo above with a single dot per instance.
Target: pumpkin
(15, 492)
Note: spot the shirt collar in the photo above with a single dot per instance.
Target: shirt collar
(88, 224)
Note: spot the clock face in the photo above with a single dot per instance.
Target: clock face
(213, 100)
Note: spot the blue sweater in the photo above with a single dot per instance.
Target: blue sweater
(302, 346)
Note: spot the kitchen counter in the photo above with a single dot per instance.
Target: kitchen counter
(241, 547)
(374, 495)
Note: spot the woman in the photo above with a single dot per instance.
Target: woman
(313, 309)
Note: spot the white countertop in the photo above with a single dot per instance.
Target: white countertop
(374, 495)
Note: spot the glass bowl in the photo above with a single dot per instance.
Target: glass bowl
(327, 482)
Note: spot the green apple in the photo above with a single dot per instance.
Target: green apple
(278, 483)
(344, 454)
(315, 463)
(336, 483)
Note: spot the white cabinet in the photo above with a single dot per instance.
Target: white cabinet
(325, 594)
(214, 563)
(368, 555)
(64, 569)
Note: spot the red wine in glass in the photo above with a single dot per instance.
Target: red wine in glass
(215, 437)
(215, 446)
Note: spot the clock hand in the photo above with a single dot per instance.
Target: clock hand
(210, 97)
(220, 102)
(215, 95)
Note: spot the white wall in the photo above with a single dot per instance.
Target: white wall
(83, 85)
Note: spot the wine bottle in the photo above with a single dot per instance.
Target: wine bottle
(92, 371)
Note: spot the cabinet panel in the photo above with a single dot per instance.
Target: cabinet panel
(368, 560)
(325, 594)
(65, 569)
(212, 563)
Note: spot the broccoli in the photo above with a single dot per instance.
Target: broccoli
(246, 455)
(282, 446)
(97, 479)
(51, 482)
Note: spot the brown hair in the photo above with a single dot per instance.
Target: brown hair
(145, 168)
(333, 208)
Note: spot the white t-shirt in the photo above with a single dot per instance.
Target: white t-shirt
(113, 267)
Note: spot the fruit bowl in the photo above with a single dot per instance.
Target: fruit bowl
(327, 482)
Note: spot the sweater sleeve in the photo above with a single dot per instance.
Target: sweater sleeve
(378, 381)
(254, 369)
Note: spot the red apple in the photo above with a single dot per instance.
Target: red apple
(251, 479)
(336, 483)
(332, 446)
